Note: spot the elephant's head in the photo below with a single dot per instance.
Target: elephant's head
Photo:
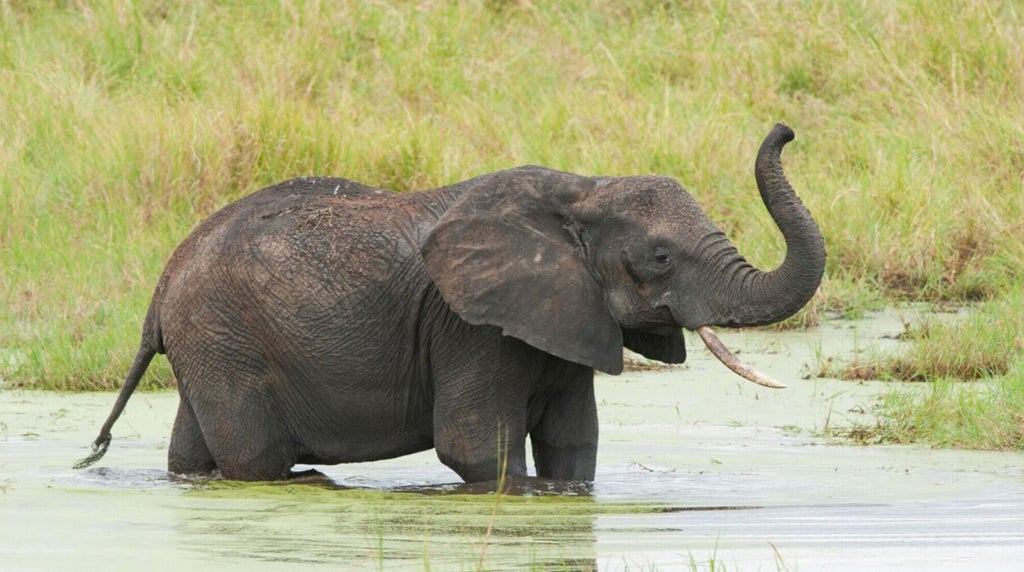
(580, 266)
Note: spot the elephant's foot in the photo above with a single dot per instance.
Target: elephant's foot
(309, 476)
(526, 486)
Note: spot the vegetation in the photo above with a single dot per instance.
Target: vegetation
(948, 414)
(984, 347)
(123, 123)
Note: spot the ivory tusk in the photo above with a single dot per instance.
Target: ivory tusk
(732, 362)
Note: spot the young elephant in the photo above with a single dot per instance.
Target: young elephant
(322, 321)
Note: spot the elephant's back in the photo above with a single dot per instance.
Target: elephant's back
(295, 264)
(237, 223)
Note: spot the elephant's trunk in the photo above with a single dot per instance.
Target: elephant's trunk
(754, 297)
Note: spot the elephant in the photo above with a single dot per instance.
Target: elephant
(322, 321)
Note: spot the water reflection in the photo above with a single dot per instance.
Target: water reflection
(531, 523)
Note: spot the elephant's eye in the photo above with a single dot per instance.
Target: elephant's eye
(661, 258)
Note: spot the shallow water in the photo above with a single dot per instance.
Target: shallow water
(695, 465)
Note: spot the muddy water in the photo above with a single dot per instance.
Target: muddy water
(695, 466)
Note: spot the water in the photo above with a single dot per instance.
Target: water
(696, 466)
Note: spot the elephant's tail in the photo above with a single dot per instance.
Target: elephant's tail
(149, 347)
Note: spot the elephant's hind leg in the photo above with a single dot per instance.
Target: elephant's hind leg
(244, 434)
(188, 453)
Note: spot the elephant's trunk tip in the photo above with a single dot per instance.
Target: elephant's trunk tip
(781, 134)
(732, 362)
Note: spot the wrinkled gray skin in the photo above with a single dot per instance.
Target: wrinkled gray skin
(322, 321)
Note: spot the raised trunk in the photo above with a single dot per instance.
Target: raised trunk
(755, 297)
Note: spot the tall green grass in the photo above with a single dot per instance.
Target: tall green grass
(123, 123)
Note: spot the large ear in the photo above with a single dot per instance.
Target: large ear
(667, 349)
(508, 253)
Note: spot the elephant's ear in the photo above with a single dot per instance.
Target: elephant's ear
(507, 254)
(667, 349)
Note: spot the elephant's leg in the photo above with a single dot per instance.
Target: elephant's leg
(480, 401)
(480, 442)
(564, 441)
(243, 431)
(479, 450)
(188, 453)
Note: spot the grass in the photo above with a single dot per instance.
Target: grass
(984, 346)
(950, 414)
(122, 124)
(971, 343)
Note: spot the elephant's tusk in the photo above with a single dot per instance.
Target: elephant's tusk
(732, 362)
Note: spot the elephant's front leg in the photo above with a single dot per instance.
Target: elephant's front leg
(480, 406)
(564, 440)
(481, 441)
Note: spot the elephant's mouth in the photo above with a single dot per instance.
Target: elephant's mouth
(732, 362)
